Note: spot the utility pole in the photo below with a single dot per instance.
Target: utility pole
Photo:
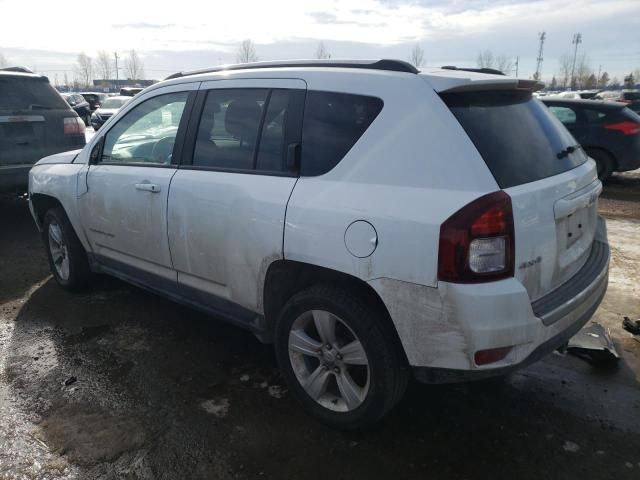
(517, 62)
(577, 40)
(115, 54)
(542, 37)
(598, 79)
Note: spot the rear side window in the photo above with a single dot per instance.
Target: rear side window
(517, 136)
(564, 114)
(633, 96)
(29, 94)
(333, 123)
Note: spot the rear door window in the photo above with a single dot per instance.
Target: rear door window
(247, 129)
(29, 94)
(333, 123)
(517, 136)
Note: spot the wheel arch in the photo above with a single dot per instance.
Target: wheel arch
(606, 151)
(41, 203)
(285, 278)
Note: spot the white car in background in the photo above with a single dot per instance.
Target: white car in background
(368, 219)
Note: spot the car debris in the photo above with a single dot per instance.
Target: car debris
(593, 343)
(632, 326)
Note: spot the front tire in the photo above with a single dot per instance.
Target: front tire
(340, 357)
(66, 255)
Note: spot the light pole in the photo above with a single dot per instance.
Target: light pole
(115, 54)
(577, 40)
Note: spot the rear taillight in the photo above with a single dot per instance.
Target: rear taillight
(477, 242)
(73, 126)
(627, 128)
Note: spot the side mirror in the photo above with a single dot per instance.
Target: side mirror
(96, 152)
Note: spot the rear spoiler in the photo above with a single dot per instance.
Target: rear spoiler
(449, 80)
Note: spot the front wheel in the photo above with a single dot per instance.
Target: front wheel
(339, 357)
(66, 255)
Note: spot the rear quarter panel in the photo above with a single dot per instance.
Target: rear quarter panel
(410, 171)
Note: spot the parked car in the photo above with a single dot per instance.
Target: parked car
(79, 105)
(572, 95)
(110, 106)
(369, 220)
(631, 98)
(130, 91)
(609, 132)
(95, 99)
(34, 122)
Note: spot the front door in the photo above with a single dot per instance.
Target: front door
(124, 209)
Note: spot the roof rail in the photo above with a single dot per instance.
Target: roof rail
(17, 69)
(491, 71)
(384, 64)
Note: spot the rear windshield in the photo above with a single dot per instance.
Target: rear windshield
(517, 136)
(29, 94)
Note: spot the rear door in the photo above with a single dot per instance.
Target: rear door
(553, 186)
(227, 202)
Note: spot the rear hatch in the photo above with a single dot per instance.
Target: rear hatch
(32, 120)
(553, 187)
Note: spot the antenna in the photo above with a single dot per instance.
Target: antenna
(542, 37)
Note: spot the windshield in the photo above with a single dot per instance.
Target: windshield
(518, 137)
(29, 94)
(113, 103)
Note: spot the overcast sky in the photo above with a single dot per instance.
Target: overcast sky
(47, 35)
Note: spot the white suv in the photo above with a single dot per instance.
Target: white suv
(370, 220)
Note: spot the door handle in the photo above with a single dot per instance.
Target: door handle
(148, 187)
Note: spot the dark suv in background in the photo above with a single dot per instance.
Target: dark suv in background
(609, 132)
(631, 98)
(34, 122)
(79, 105)
(95, 99)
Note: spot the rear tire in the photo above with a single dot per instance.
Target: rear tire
(604, 163)
(66, 255)
(351, 378)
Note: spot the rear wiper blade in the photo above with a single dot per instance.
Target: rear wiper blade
(570, 149)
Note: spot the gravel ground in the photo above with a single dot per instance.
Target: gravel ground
(119, 383)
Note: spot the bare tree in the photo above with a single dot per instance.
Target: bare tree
(3, 60)
(417, 56)
(322, 52)
(84, 70)
(566, 65)
(104, 64)
(133, 66)
(603, 80)
(614, 83)
(554, 83)
(246, 52)
(504, 64)
(487, 59)
(583, 72)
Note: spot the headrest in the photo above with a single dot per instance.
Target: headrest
(242, 119)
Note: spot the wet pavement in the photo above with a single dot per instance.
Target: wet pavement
(119, 383)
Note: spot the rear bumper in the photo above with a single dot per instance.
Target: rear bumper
(442, 333)
(14, 178)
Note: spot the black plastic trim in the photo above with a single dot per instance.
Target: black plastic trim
(581, 281)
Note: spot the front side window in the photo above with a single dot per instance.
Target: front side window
(147, 133)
